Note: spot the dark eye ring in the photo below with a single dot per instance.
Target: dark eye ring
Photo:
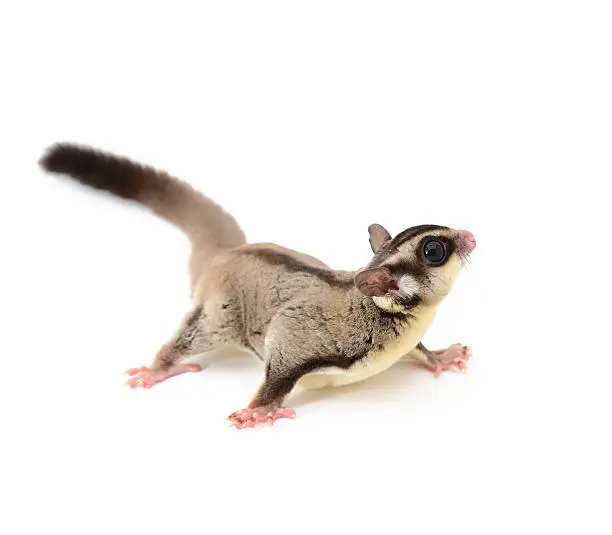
(434, 252)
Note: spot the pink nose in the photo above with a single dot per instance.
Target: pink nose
(469, 239)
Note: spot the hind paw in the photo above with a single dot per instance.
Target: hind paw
(144, 377)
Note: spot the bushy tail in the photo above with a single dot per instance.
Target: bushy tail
(206, 224)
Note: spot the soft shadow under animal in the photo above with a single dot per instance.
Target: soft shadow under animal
(305, 322)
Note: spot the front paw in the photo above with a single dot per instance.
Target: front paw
(453, 358)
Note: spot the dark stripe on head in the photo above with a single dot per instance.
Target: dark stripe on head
(293, 265)
(392, 246)
(412, 232)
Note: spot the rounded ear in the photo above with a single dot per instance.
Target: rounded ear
(378, 236)
(375, 282)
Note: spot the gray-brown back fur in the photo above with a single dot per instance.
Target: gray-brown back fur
(293, 312)
(290, 309)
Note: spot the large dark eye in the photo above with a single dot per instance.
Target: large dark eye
(434, 252)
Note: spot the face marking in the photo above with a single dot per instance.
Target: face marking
(425, 262)
(400, 264)
(408, 285)
(412, 232)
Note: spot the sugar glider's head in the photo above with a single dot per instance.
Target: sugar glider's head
(418, 266)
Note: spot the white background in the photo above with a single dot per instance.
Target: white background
(309, 121)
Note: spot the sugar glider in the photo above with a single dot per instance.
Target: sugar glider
(305, 322)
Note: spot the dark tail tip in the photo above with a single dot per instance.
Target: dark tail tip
(94, 168)
(65, 158)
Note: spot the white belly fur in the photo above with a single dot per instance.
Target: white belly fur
(376, 361)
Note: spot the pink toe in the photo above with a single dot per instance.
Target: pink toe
(134, 371)
(285, 412)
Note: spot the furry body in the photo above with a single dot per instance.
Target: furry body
(304, 321)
